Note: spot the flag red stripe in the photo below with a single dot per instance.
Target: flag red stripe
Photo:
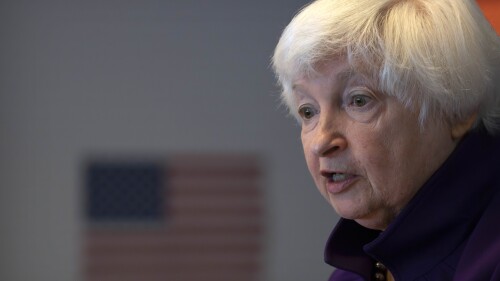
(181, 275)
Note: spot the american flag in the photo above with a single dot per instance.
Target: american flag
(190, 217)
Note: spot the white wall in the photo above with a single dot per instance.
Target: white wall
(142, 77)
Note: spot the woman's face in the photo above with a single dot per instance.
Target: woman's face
(366, 152)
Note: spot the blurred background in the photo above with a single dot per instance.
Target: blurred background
(90, 85)
(159, 93)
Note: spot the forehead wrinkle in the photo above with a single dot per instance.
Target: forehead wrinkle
(342, 76)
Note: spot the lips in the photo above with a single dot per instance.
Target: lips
(338, 182)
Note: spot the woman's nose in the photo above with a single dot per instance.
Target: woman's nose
(328, 140)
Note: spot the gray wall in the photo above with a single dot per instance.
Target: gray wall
(142, 77)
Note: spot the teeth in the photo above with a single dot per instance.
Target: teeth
(339, 177)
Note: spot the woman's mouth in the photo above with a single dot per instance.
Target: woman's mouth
(338, 182)
(337, 177)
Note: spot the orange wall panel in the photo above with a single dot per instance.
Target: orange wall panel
(491, 9)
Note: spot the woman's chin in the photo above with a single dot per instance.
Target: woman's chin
(367, 219)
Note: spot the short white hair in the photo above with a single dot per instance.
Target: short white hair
(441, 57)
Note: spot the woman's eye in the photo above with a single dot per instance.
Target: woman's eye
(360, 100)
(362, 105)
(306, 112)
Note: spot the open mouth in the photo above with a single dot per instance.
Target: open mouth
(337, 177)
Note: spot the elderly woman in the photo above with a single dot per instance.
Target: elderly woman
(400, 117)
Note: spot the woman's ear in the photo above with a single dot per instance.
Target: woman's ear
(459, 129)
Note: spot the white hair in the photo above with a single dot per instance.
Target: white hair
(441, 57)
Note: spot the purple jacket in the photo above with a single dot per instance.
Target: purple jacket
(450, 230)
